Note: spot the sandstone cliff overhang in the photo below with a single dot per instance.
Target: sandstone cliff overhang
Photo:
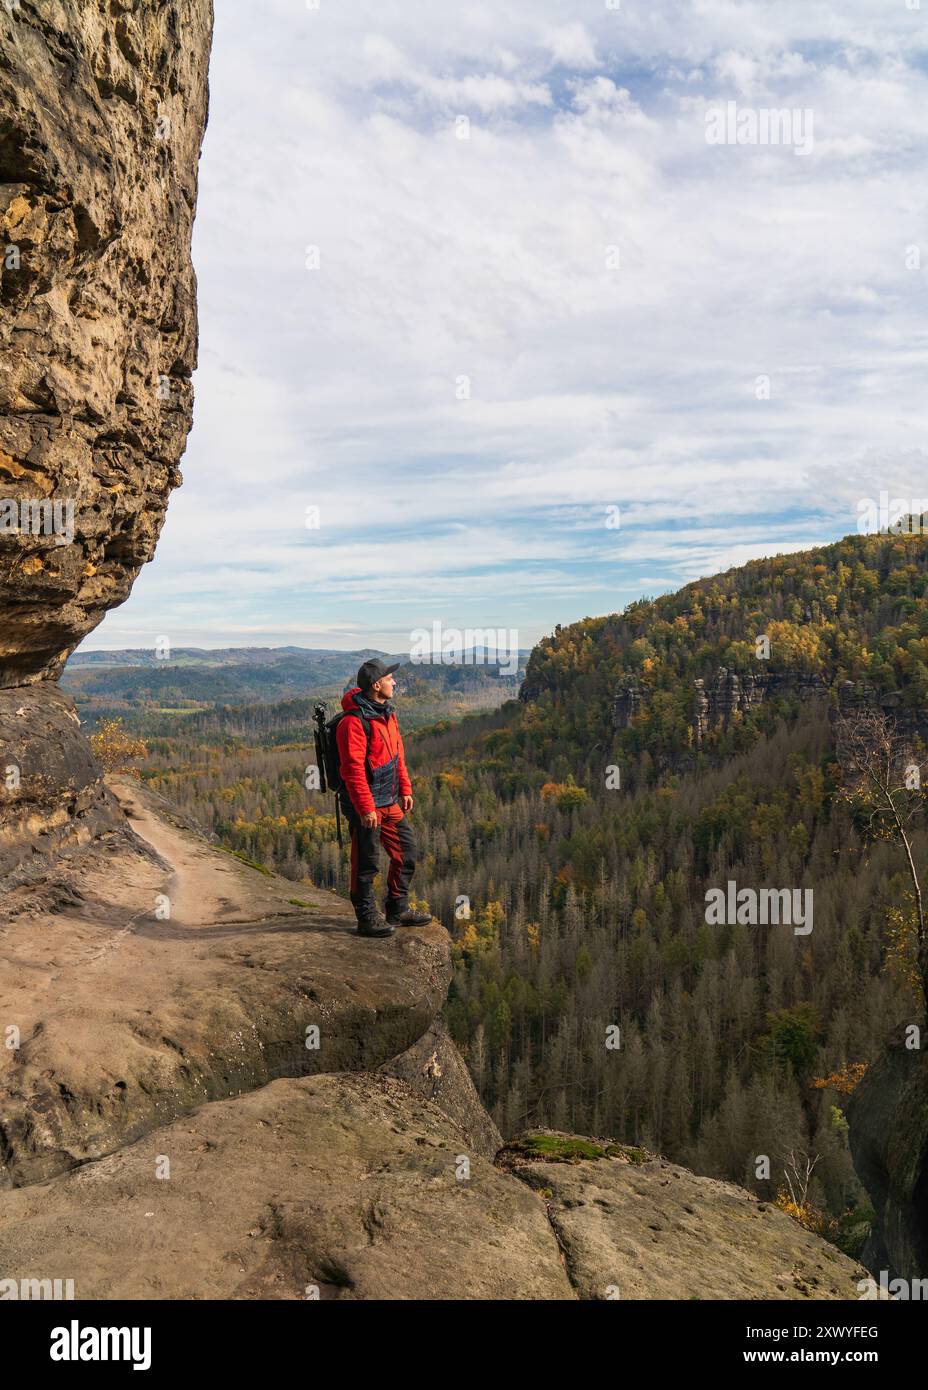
(102, 113)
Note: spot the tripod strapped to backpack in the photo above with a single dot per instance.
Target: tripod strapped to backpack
(328, 759)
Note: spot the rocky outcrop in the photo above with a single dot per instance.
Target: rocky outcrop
(905, 723)
(628, 703)
(435, 1069)
(52, 792)
(727, 694)
(888, 1118)
(336, 1186)
(633, 1226)
(170, 973)
(720, 698)
(102, 111)
(723, 696)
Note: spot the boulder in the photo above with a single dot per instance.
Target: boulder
(633, 1226)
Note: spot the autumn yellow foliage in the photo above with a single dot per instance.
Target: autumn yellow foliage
(807, 1216)
(116, 749)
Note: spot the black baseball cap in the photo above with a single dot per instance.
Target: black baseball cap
(372, 671)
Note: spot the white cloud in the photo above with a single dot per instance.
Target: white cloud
(611, 286)
(571, 45)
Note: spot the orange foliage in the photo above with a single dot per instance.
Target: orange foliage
(844, 1081)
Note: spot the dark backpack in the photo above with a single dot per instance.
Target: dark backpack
(328, 758)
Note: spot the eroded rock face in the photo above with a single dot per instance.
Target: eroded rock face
(434, 1068)
(888, 1117)
(723, 696)
(52, 792)
(102, 110)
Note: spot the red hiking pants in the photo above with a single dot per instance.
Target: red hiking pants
(394, 833)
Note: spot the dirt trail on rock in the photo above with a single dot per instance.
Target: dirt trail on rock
(153, 971)
(201, 889)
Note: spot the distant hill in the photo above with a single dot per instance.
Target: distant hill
(231, 675)
(656, 754)
(213, 656)
(150, 693)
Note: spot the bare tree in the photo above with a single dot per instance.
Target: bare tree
(798, 1167)
(887, 783)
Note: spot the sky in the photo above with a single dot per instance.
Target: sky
(496, 331)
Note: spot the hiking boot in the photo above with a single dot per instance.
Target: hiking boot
(374, 924)
(407, 917)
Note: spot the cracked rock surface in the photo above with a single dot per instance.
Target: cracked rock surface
(633, 1226)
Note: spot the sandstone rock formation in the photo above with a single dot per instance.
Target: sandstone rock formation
(435, 1069)
(127, 1018)
(628, 703)
(633, 1226)
(102, 110)
(906, 723)
(716, 702)
(724, 695)
(51, 788)
(349, 1184)
(720, 698)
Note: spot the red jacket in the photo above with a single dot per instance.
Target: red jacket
(386, 741)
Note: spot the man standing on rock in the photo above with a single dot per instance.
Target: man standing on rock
(377, 796)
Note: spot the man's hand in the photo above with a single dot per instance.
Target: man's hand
(407, 804)
(370, 819)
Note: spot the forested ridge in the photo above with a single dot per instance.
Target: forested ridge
(570, 859)
(850, 611)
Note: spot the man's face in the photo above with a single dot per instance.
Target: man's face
(385, 687)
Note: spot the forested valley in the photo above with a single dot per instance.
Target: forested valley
(569, 853)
